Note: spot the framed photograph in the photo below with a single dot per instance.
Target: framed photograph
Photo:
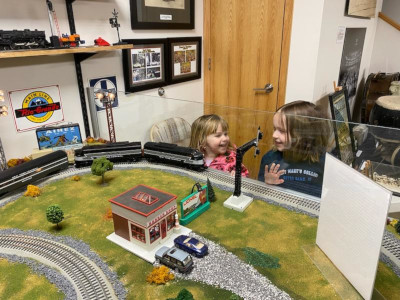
(351, 60)
(162, 14)
(360, 8)
(185, 59)
(144, 65)
(345, 146)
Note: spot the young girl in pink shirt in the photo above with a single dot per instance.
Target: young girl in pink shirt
(210, 136)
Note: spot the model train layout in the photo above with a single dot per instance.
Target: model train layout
(120, 152)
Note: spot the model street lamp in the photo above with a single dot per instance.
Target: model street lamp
(3, 108)
(107, 97)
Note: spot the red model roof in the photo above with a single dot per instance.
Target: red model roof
(128, 201)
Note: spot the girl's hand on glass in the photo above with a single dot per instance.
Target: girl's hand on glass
(272, 175)
(233, 172)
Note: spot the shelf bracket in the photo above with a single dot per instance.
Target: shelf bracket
(80, 57)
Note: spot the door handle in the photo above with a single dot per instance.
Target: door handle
(268, 88)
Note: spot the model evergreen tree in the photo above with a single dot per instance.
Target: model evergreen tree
(100, 166)
(397, 227)
(211, 193)
(54, 214)
(184, 294)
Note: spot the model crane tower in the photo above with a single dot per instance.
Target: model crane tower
(238, 201)
(54, 39)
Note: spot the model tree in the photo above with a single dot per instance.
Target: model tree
(184, 294)
(100, 166)
(54, 214)
(211, 193)
(397, 227)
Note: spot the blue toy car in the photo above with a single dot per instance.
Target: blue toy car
(191, 245)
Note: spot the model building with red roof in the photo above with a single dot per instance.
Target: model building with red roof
(144, 215)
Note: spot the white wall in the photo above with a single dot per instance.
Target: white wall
(135, 114)
(304, 45)
(330, 52)
(391, 8)
(314, 59)
(386, 52)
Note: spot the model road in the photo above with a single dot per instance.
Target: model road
(89, 281)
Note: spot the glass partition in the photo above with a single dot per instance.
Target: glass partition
(372, 150)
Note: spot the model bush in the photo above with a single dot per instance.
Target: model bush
(235, 297)
(108, 214)
(100, 166)
(17, 161)
(54, 214)
(184, 294)
(260, 259)
(397, 227)
(32, 191)
(76, 178)
(160, 275)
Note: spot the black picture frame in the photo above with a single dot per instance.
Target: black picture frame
(162, 16)
(184, 54)
(145, 65)
(340, 110)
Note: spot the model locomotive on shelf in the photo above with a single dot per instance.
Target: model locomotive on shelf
(22, 39)
(32, 171)
(128, 152)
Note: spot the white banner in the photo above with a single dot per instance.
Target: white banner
(36, 107)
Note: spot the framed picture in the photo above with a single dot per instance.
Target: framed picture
(185, 59)
(162, 14)
(145, 64)
(360, 8)
(351, 60)
(345, 146)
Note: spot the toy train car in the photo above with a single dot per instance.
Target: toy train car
(32, 171)
(115, 152)
(22, 39)
(174, 154)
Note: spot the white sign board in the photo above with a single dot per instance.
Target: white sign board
(351, 223)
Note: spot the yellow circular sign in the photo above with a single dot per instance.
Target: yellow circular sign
(38, 99)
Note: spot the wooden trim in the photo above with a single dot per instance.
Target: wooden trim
(206, 48)
(51, 52)
(388, 20)
(286, 34)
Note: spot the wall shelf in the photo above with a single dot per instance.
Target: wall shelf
(51, 52)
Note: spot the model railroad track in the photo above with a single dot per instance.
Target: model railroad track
(88, 280)
(307, 204)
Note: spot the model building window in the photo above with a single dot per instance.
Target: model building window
(138, 233)
(145, 198)
(154, 233)
(170, 221)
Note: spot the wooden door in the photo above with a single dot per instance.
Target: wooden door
(246, 46)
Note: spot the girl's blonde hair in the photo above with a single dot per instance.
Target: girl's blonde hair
(307, 129)
(203, 127)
